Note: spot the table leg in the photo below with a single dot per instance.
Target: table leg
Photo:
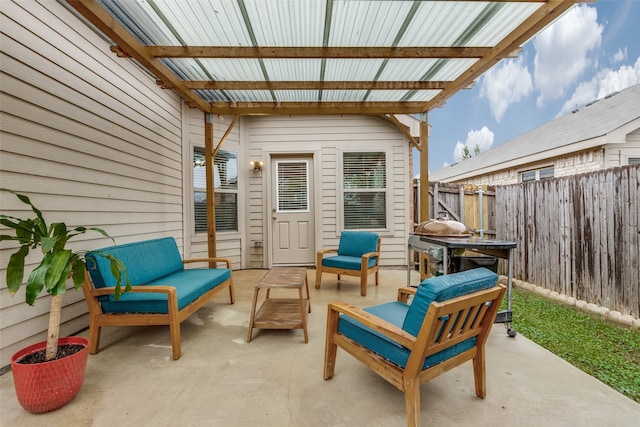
(303, 315)
(306, 284)
(253, 313)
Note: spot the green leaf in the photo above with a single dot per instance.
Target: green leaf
(77, 271)
(58, 270)
(15, 269)
(35, 282)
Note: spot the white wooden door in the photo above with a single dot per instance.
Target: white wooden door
(292, 211)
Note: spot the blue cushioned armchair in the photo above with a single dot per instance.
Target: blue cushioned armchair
(446, 324)
(358, 254)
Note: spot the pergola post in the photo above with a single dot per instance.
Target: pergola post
(211, 206)
(424, 168)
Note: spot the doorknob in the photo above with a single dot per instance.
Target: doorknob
(275, 217)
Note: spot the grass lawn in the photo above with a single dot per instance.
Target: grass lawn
(605, 351)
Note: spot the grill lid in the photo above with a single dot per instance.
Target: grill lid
(442, 226)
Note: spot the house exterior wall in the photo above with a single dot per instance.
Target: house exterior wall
(94, 141)
(90, 138)
(619, 154)
(570, 164)
(228, 244)
(326, 138)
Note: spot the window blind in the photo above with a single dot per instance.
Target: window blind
(293, 186)
(364, 190)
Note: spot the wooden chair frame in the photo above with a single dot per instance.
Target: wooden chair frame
(449, 315)
(98, 318)
(363, 273)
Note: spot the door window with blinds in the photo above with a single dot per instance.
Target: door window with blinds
(364, 190)
(225, 179)
(293, 186)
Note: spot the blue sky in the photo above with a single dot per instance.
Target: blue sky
(591, 51)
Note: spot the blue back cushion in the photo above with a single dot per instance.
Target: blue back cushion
(357, 243)
(145, 261)
(444, 288)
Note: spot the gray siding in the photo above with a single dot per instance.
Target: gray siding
(326, 137)
(91, 138)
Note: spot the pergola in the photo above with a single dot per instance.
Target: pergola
(376, 57)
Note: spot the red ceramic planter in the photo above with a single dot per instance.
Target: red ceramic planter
(45, 387)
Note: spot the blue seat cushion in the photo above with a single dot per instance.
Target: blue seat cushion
(145, 261)
(190, 284)
(346, 262)
(357, 243)
(443, 288)
(395, 313)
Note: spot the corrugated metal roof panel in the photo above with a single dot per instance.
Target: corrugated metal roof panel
(361, 23)
(286, 23)
(300, 24)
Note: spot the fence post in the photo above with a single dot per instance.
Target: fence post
(481, 209)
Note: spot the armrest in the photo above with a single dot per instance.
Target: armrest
(326, 251)
(379, 325)
(371, 255)
(227, 261)
(405, 292)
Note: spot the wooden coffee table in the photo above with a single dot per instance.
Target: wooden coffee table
(281, 313)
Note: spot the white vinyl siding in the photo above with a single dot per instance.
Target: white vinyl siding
(326, 138)
(91, 138)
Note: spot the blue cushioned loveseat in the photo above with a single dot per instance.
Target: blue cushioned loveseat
(163, 291)
(447, 323)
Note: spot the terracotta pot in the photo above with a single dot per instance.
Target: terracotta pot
(44, 387)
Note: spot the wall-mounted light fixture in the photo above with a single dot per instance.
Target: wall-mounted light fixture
(256, 165)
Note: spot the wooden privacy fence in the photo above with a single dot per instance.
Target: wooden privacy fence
(577, 235)
(462, 203)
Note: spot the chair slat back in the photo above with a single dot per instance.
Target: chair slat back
(451, 322)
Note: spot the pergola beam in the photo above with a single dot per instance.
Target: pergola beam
(104, 22)
(315, 85)
(316, 52)
(313, 108)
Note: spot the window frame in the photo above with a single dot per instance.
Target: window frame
(198, 189)
(539, 174)
(388, 215)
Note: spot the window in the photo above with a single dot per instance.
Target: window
(634, 160)
(226, 190)
(293, 186)
(364, 190)
(538, 174)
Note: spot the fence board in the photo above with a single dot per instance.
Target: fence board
(577, 235)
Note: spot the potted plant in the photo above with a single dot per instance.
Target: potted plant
(48, 377)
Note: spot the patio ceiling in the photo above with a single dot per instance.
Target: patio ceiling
(246, 57)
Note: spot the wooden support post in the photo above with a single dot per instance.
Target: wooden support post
(424, 169)
(211, 197)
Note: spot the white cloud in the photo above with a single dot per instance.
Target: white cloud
(482, 138)
(505, 84)
(605, 82)
(619, 56)
(562, 52)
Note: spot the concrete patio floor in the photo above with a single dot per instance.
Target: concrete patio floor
(276, 379)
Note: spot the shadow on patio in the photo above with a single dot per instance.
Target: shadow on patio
(276, 380)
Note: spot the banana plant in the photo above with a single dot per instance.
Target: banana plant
(57, 264)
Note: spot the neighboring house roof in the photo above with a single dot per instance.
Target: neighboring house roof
(576, 131)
